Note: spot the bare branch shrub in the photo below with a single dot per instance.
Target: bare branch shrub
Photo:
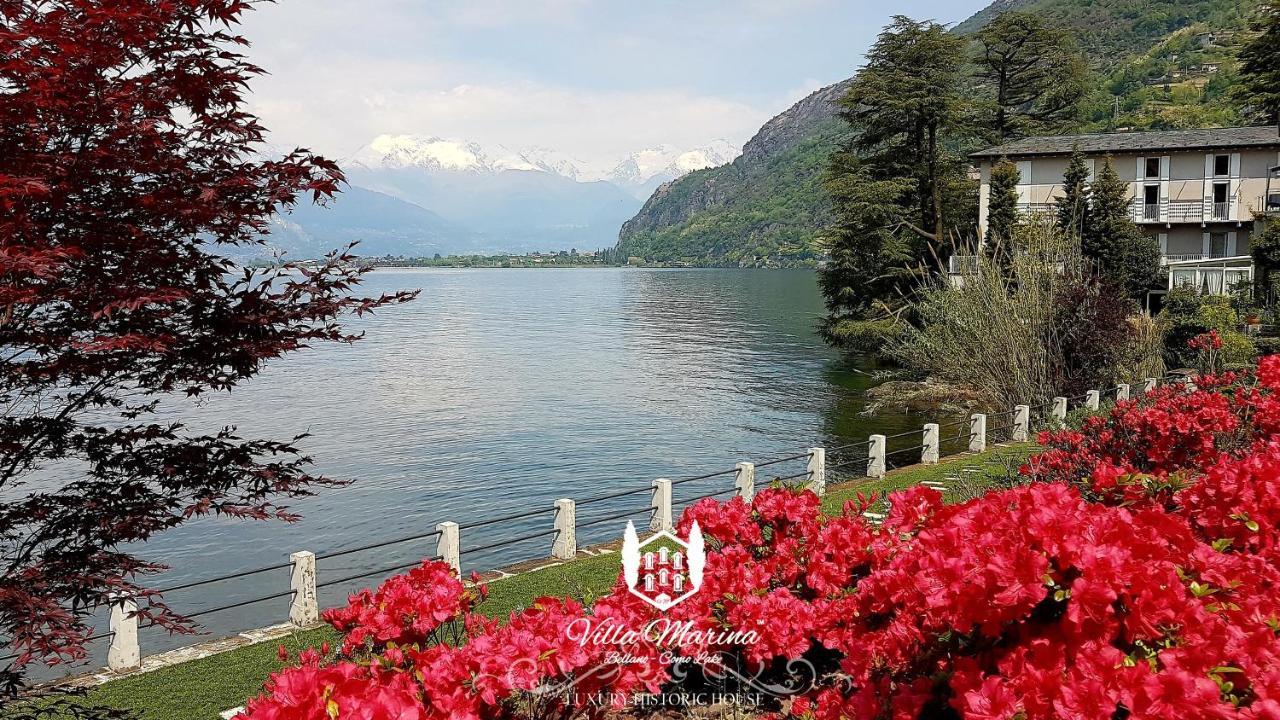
(1039, 325)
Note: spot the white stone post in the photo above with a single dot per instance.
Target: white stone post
(1059, 412)
(124, 654)
(660, 520)
(447, 546)
(304, 611)
(875, 457)
(1149, 384)
(818, 470)
(929, 453)
(1122, 392)
(977, 433)
(565, 546)
(1092, 399)
(1021, 423)
(744, 479)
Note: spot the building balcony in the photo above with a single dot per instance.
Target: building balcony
(962, 265)
(1181, 211)
(1038, 209)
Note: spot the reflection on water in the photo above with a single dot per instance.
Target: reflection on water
(502, 390)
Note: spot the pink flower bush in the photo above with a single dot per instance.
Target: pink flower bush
(406, 610)
(1137, 577)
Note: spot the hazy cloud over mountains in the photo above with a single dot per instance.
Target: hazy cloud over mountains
(596, 80)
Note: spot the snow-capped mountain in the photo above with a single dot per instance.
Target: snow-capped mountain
(422, 194)
(643, 171)
(432, 153)
(649, 167)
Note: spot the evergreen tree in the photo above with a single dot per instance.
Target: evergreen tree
(899, 189)
(1002, 209)
(1121, 251)
(1265, 249)
(1073, 208)
(1032, 76)
(1259, 88)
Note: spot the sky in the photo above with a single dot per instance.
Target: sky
(596, 80)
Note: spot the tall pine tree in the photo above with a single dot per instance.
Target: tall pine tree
(900, 191)
(1073, 207)
(1031, 76)
(1120, 250)
(1002, 209)
(1259, 88)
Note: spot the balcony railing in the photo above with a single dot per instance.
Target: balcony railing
(963, 264)
(1037, 209)
(1185, 211)
(1179, 211)
(1176, 257)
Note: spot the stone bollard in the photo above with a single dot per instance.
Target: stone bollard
(124, 654)
(565, 546)
(1059, 412)
(1021, 423)
(875, 457)
(977, 433)
(1092, 399)
(660, 518)
(1122, 392)
(929, 451)
(1149, 384)
(447, 546)
(818, 471)
(304, 611)
(744, 479)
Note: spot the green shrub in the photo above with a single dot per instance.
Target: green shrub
(1187, 314)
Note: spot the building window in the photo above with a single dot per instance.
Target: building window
(1217, 245)
(1221, 165)
(1184, 278)
(1153, 167)
(1221, 193)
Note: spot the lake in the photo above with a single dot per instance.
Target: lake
(499, 391)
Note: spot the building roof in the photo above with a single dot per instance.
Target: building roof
(1101, 143)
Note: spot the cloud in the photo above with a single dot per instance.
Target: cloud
(597, 79)
(346, 108)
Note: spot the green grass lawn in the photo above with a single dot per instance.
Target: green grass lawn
(203, 688)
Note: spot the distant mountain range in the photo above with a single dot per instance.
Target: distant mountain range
(418, 195)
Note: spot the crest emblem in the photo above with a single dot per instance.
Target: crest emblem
(663, 570)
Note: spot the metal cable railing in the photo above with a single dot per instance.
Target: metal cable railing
(374, 546)
(714, 494)
(233, 606)
(611, 518)
(778, 461)
(506, 518)
(706, 477)
(232, 576)
(615, 495)
(511, 541)
(370, 573)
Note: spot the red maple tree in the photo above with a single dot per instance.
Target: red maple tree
(129, 168)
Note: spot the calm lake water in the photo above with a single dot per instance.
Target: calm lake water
(499, 391)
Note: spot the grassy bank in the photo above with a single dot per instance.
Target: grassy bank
(203, 688)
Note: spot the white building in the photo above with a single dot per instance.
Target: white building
(1199, 192)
